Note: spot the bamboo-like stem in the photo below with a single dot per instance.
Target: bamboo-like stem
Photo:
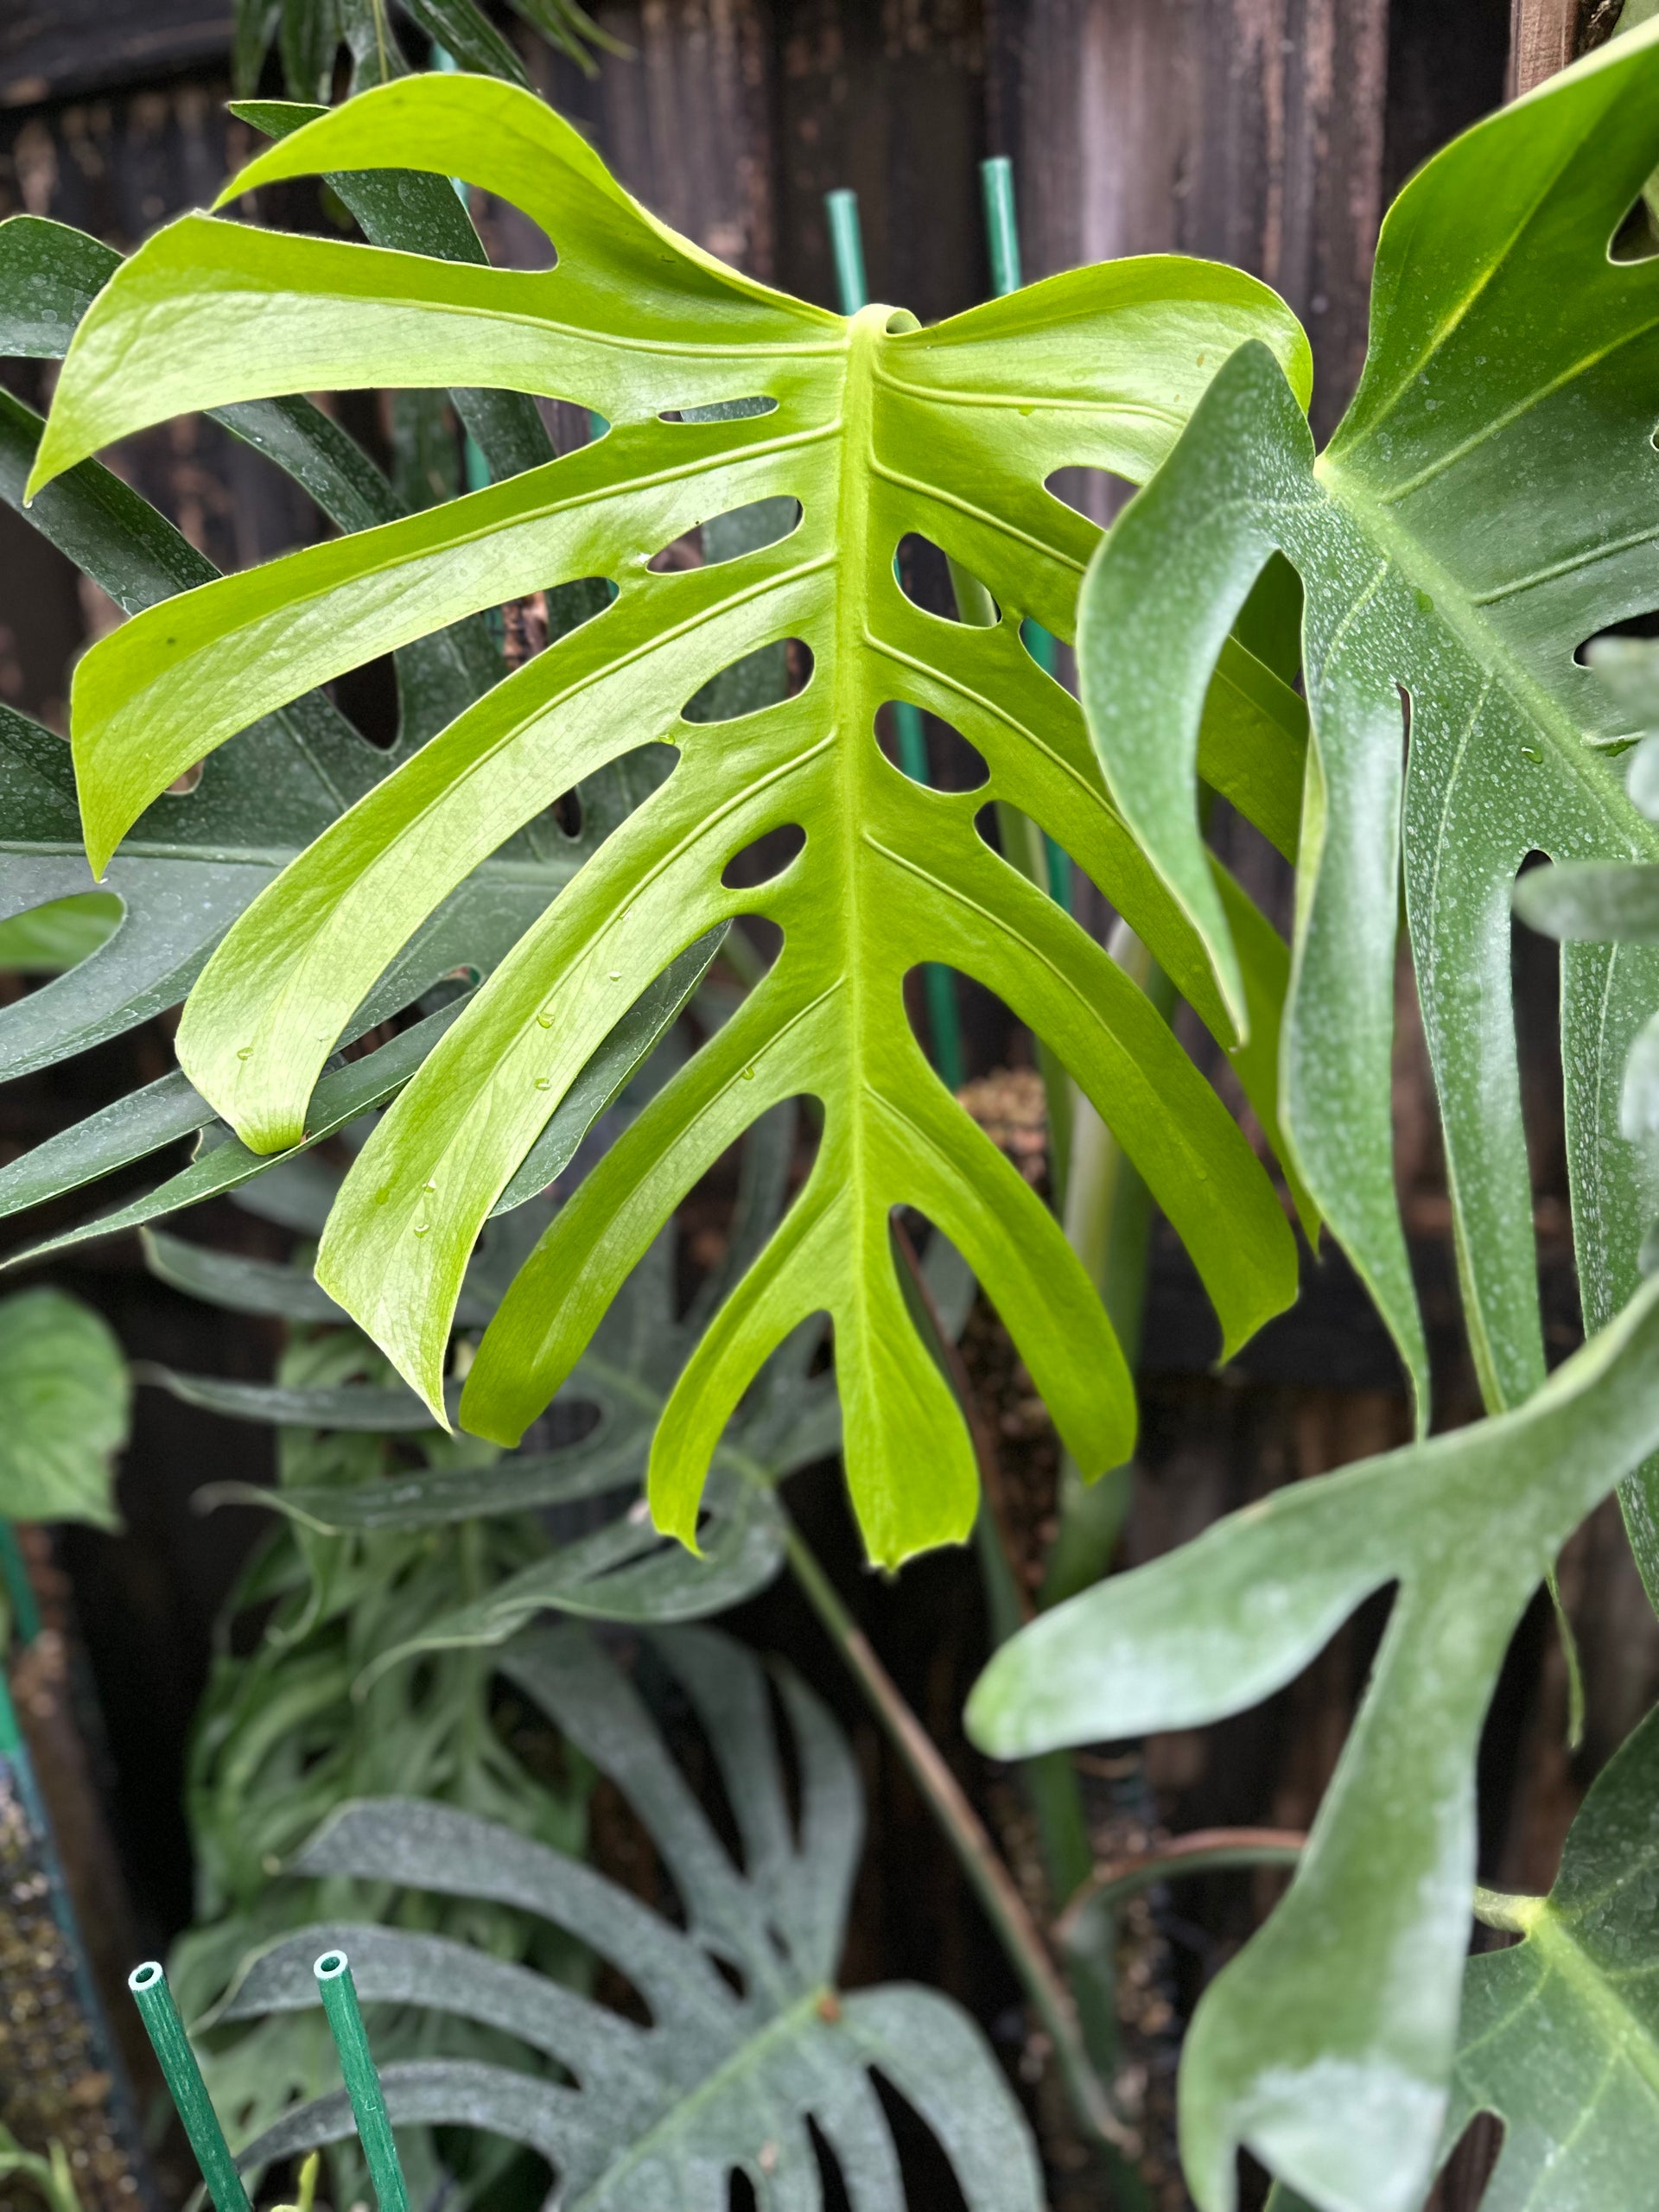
(991, 1882)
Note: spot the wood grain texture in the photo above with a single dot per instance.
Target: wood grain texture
(1248, 131)
(687, 121)
(1543, 36)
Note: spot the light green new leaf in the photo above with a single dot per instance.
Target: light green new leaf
(873, 429)
(725, 2079)
(195, 860)
(1486, 505)
(64, 1396)
(1560, 2034)
(1328, 2044)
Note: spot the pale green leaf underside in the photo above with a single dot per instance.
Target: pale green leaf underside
(874, 429)
(1326, 2045)
(721, 2082)
(1486, 505)
(1560, 2034)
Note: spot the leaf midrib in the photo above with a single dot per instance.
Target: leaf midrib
(1628, 2036)
(1455, 608)
(782, 2027)
(859, 754)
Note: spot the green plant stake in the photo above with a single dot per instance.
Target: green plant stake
(19, 1590)
(339, 1994)
(1002, 246)
(193, 2106)
(847, 243)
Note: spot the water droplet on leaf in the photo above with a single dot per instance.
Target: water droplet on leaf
(244, 1053)
(543, 1083)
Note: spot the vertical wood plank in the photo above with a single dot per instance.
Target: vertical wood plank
(1543, 35)
(686, 121)
(1249, 131)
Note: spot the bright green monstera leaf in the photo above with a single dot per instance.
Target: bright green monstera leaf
(1485, 506)
(1326, 2045)
(736, 2068)
(1560, 2034)
(721, 395)
(199, 857)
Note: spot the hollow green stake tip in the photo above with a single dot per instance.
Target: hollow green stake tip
(189, 2091)
(339, 1994)
(847, 244)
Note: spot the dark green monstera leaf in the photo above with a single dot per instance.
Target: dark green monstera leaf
(734, 2064)
(1326, 2045)
(1560, 2034)
(1484, 508)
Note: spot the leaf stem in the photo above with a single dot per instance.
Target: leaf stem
(1514, 1915)
(965, 1832)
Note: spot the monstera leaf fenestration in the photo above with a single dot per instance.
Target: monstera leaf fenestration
(1485, 506)
(721, 395)
(198, 857)
(1560, 2034)
(1326, 2045)
(725, 2078)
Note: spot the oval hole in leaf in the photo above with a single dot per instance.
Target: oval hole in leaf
(1098, 493)
(367, 696)
(727, 536)
(1636, 238)
(924, 575)
(566, 606)
(766, 859)
(1633, 626)
(722, 410)
(759, 679)
(49, 939)
(511, 239)
(761, 935)
(951, 764)
(1535, 989)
